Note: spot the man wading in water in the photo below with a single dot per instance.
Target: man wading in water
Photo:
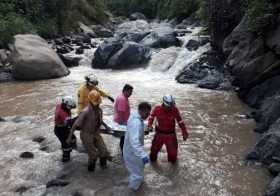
(89, 121)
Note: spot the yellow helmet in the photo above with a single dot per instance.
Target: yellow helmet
(94, 97)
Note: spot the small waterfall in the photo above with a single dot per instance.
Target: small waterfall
(185, 56)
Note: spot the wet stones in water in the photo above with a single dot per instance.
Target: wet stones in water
(21, 189)
(38, 139)
(27, 155)
(274, 169)
(57, 182)
(2, 119)
(44, 148)
(77, 193)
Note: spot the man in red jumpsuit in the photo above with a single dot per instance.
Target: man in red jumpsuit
(165, 116)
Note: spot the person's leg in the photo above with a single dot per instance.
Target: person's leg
(172, 148)
(88, 142)
(156, 146)
(135, 168)
(62, 134)
(102, 149)
(121, 144)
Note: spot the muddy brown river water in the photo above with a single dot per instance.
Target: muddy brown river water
(211, 162)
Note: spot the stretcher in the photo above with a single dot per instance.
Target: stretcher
(112, 128)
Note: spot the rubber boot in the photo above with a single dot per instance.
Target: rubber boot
(66, 156)
(91, 165)
(103, 163)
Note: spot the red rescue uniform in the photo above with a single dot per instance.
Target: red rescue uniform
(165, 131)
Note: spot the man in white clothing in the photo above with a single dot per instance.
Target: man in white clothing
(134, 155)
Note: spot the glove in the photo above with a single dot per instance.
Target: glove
(145, 160)
(185, 136)
(111, 99)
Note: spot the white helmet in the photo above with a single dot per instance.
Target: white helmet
(69, 102)
(168, 100)
(91, 80)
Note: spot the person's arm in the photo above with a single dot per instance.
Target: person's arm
(134, 131)
(181, 124)
(81, 100)
(76, 124)
(104, 94)
(151, 119)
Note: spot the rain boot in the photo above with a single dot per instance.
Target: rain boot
(103, 163)
(91, 165)
(66, 156)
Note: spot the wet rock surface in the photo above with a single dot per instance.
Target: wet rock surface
(33, 59)
(27, 155)
(207, 71)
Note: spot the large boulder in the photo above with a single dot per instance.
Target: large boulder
(268, 113)
(130, 56)
(33, 59)
(138, 26)
(267, 148)
(259, 93)
(163, 36)
(119, 55)
(105, 51)
(206, 71)
(133, 30)
(257, 70)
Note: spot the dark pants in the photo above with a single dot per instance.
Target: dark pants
(62, 134)
(122, 143)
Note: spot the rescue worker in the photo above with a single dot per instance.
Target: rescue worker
(89, 121)
(63, 124)
(122, 109)
(90, 84)
(134, 155)
(165, 116)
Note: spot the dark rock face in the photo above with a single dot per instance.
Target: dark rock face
(137, 16)
(224, 16)
(274, 187)
(207, 71)
(259, 93)
(274, 168)
(268, 113)
(161, 37)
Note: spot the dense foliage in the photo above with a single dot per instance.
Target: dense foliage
(162, 9)
(256, 10)
(47, 17)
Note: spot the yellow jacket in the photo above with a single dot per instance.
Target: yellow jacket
(83, 92)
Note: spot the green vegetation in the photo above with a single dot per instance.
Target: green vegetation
(162, 9)
(47, 18)
(256, 9)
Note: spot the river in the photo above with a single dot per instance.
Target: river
(211, 162)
